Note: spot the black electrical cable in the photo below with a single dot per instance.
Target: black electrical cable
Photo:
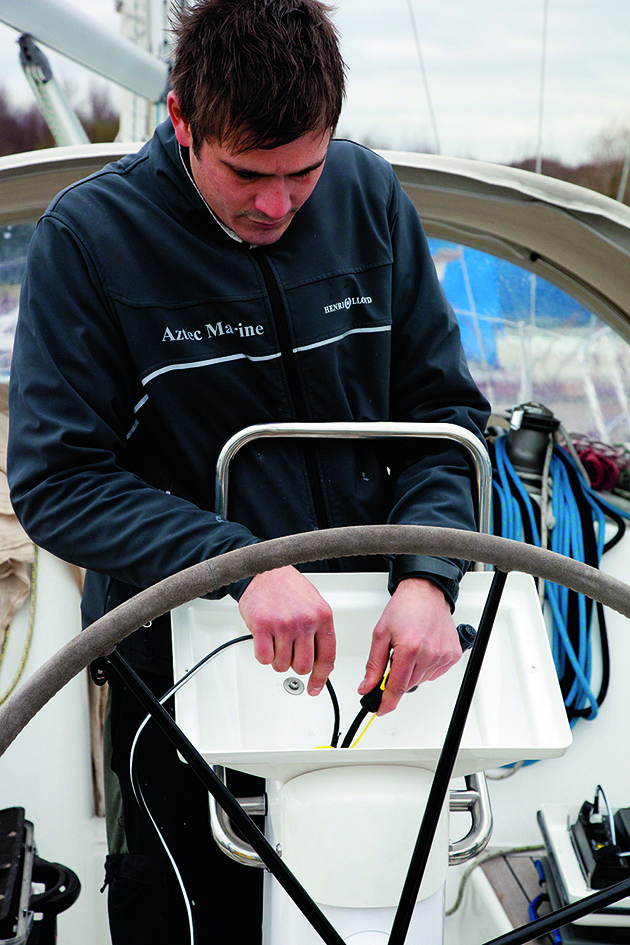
(337, 715)
(370, 702)
(135, 780)
(242, 639)
(227, 802)
(352, 731)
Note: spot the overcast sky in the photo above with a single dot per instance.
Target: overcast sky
(482, 61)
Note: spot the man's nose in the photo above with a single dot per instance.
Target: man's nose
(274, 200)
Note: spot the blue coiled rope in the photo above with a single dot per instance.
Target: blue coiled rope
(579, 518)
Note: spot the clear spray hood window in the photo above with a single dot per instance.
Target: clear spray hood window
(14, 240)
(527, 340)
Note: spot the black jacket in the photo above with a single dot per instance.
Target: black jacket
(147, 337)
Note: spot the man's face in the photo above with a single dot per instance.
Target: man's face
(255, 193)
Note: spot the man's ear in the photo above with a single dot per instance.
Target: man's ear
(181, 126)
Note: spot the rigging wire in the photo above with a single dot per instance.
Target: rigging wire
(623, 180)
(541, 89)
(425, 80)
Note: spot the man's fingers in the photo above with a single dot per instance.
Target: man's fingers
(290, 653)
(325, 650)
(410, 669)
(399, 681)
(377, 661)
(291, 623)
(263, 648)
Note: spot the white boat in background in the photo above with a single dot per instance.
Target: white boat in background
(538, 272)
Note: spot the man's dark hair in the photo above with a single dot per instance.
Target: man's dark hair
(257, 73)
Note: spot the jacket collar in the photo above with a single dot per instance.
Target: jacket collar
(184, 155)
(171, 168)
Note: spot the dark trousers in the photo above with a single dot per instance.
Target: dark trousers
(144, 900)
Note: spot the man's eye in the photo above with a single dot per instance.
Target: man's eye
(252, 176)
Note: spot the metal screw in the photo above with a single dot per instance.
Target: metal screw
(293, 686)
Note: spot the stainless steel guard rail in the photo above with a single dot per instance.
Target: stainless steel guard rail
(475, 799)
(365, 431)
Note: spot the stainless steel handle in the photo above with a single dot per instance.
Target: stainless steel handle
(476, 800)
(222, 830)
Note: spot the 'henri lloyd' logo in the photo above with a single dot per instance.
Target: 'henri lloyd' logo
(213, 331)
(347, 303)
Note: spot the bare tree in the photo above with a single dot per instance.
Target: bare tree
(21, 129)
(611, 152)
(606, 170)
(98, 117)
(24, 129)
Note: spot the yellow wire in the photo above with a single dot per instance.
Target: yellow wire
(366, 727)
(29, 633)
(359, 737)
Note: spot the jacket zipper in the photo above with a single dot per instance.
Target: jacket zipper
(295, 389)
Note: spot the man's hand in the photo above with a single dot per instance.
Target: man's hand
(292, 625)
(417, 628)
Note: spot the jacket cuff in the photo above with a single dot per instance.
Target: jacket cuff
(237, 589)
(443, 572)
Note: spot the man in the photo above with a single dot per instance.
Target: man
(241, 268)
